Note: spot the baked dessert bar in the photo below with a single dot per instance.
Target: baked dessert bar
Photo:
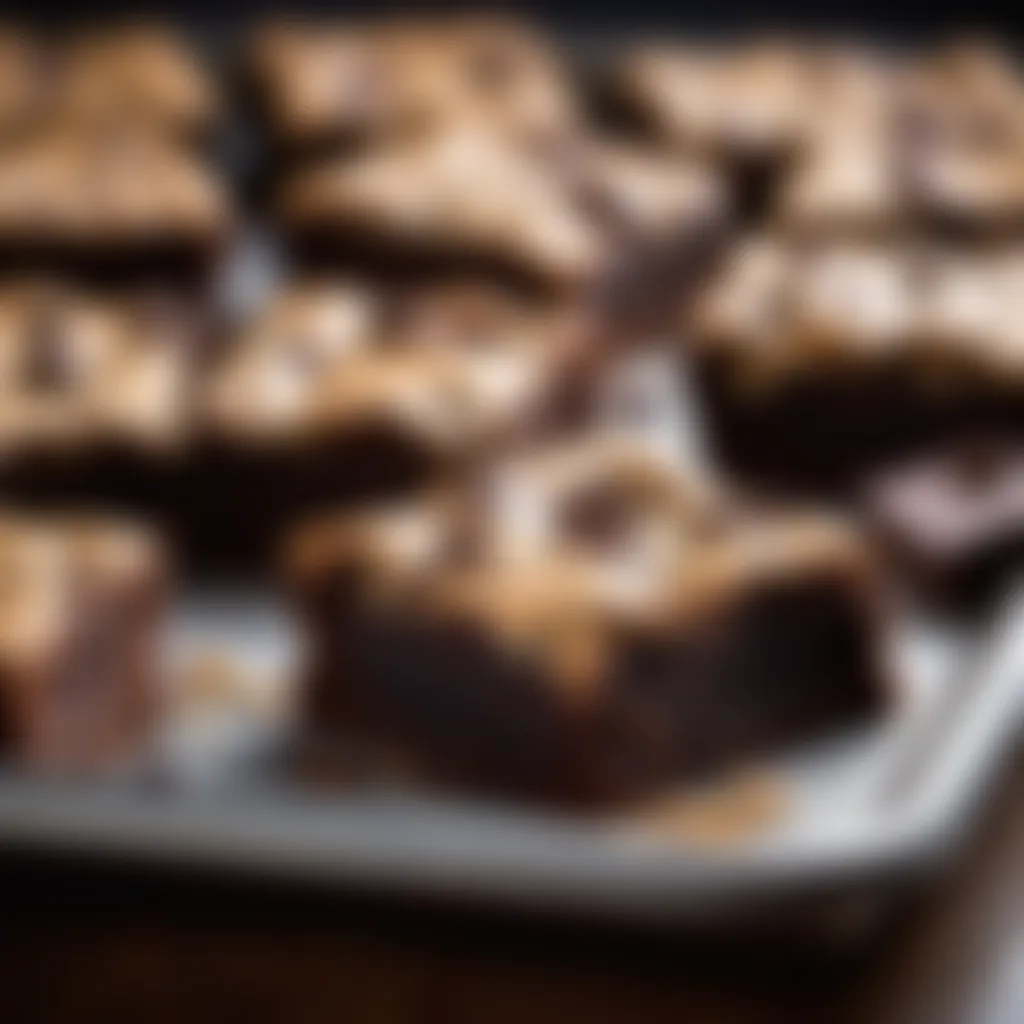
(322, 83)
(569, 218)
(744, 102)
(94, 395)
(344, 392)
(820, 361)
(80, 612)
(126, 197)
(940, 149)
(585, 626)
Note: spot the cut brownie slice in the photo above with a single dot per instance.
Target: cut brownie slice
(562, 218)
(323, 83)
(587, 627)
(80, 608)
(93, 396)
(819, 362)
(752, 108)
(344, 393)
(127, 198)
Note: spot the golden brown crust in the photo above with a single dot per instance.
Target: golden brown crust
(747, 100)
(460, 190)
(142, 73)
(452, 366)
(780, 310)
(562, 214)
(378, 80)
(77, 187)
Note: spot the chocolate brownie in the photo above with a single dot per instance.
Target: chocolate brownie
(818, 362)
(347, 393)
(327, 83)
(941, 148)
(93, 396)
(585, 626)
(741, 102)
(80, 611)
(561, 218)
(124, 195)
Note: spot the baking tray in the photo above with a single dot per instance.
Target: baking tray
(868, 813)
(876, 809)
(227, 786)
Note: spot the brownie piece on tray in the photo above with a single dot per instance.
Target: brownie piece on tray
(578, 217)
(818, 362)
(346, 393)
(319, 84)
(125, 198)
(828, 138)
(743, 103)
(80, 613)
(93, 396)
(749, 108)
(936, 145)
(586, 626)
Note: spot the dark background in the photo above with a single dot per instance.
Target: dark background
(603, 18)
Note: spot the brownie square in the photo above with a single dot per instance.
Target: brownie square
(745, 102)
(935, 146)
(577, 218)
(94, 396)
(320, 84)
(588, 627)
(125, 199)
(819, 362)
(343, 393)
(80, 610)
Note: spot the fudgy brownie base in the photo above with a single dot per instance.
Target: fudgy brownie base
(825, 433)
(789, 665)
